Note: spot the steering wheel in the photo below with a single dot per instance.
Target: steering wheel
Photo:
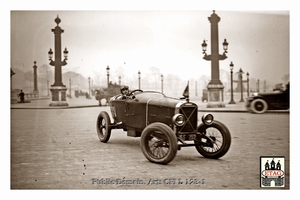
(133, 91)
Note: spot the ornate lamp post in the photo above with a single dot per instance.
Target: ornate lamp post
(231, 83)
(48, 88)
(107, 72)
(92, 88)
(248, 84)
(215, 86)
(35, 88)
(257, 85)
(58, 89)
(162, 83)
(196, 90)
(70, 92)
(139, 77)
(240, 82)
(89, 87)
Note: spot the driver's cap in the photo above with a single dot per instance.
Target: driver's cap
(124, 87)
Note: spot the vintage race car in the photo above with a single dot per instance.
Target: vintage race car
(165, 125)
(279, 99)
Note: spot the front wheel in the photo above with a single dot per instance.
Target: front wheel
(103, 126)
(214, 140)
(159, 143)
(259, 106)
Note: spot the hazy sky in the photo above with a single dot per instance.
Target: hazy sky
(169, 40)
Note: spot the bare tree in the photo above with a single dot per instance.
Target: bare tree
(44, 77)
(28, 79)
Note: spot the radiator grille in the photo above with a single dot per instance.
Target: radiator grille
(191, 114)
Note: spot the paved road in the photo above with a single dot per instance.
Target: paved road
(59, 149)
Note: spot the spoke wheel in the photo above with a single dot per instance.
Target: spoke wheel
(214, 140)
(159, 143)
(103, 126)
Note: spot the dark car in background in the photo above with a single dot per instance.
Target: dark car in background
(164, 124)
(279, 99)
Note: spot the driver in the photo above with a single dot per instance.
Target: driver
(125, 92)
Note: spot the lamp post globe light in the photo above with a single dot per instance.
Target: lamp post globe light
(231, 83)
(58, 89)
(215, 86)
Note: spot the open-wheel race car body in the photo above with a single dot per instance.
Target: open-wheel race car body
(165, 125)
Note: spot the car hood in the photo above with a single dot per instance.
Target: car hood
(268, 93)
(153, 98)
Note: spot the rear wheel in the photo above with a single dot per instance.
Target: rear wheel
(103, 126)
(214, 140)
(259, 106)
(158, 143)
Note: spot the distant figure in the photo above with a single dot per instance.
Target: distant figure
(22, 96)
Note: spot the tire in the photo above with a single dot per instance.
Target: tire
(103, 126)
(259, 106)
(159, 143)
(214, 141)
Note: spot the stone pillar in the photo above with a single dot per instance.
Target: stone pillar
(35, 87)
(215, 86)
(58, 89)
(13, 94)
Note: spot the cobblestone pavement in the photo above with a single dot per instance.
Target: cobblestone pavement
(59, 149)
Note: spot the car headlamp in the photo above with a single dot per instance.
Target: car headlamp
(178, 120)
(208, 119)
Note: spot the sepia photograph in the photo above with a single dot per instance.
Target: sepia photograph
(122, 98)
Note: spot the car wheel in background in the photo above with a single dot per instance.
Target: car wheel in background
(259, 106)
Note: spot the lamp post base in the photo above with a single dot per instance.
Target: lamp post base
(35, 93)
(231, 102)
(215, 105)
(58, 96)
(215, 95)
(14, 97)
